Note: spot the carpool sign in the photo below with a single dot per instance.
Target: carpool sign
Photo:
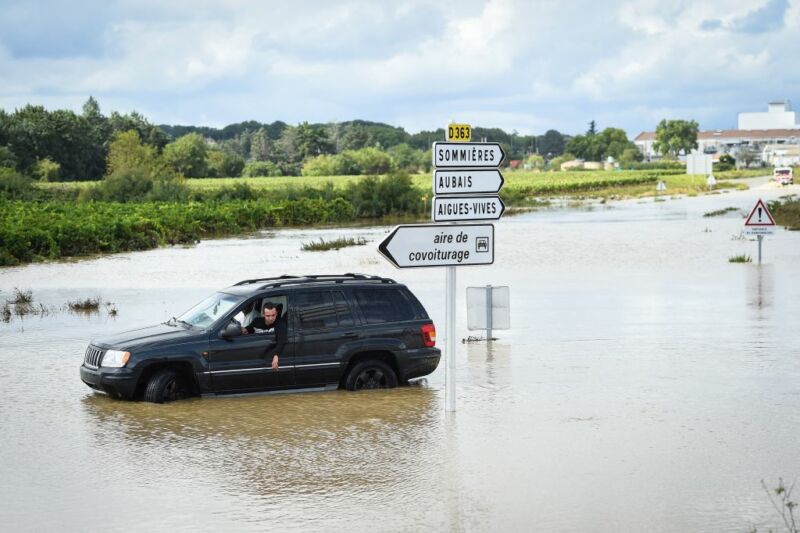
(432, 245)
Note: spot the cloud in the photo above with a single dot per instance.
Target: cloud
(517, 64)
(768, 17)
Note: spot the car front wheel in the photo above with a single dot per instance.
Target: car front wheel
(164, 386)
(371, 374)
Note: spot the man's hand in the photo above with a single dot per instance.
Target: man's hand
(244, 331)
(275, 362)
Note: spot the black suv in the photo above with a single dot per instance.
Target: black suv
(352, 330)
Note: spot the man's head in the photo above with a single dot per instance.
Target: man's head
(270, 313)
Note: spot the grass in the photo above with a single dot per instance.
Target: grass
(720, 212)
(22, 297)
(335, 244)
(741, 258)
(86, 305)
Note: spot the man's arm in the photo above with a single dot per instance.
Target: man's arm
(280, 342)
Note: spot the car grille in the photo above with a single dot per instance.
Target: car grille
(93, 356)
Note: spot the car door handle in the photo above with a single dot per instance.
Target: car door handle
(349, 335)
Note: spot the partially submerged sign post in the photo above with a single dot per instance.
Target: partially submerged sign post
(759, 223)
(466, 181)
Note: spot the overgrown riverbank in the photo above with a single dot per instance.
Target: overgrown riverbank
(54, 221)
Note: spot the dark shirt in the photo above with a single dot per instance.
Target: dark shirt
(280, 334)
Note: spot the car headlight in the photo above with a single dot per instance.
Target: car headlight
(115, 359)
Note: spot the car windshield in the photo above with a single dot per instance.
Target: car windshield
(209, 310)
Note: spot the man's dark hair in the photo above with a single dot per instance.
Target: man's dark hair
(270, 306)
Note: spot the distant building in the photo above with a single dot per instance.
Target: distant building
(778, 126)
(779, 115)
(781, 155)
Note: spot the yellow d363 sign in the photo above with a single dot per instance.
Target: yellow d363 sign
(459, 133)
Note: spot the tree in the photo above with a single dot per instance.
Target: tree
(551, 144)
(676, 136)
(747, 155)
(187, 155)
(127, 152)
(100, 132)
(222, 164)
(260, 146)
(535, 162)
(7, 158)
(312, 140)
(592, 129)
(355, 138)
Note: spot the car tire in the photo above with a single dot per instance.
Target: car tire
(370, 374)
(164, 386)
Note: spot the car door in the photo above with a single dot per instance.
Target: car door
(322, 323)
(239, 363)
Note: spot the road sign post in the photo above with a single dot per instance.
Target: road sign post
(462, 169)
(759, 223)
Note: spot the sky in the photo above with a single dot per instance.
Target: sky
(525, 66)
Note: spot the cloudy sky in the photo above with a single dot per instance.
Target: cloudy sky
(520, 65)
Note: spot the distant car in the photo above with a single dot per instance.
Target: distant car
(783, 175)
(352, 331)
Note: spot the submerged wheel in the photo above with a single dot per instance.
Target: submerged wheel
(164, 386)
(371, 374)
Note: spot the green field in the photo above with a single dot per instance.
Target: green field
(517, 182)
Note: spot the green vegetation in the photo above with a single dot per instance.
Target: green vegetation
(85, 305)
(741, 258)
(787, 212)
(720, 212)
(335, 244)
(675, 136)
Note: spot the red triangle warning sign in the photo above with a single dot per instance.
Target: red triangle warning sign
(760, 216)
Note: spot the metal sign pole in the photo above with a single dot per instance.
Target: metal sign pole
(450, 331)
(760, 238)
(488, 313)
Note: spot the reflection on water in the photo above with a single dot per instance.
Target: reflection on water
(292, 443)
(760, 284)
(646, 385)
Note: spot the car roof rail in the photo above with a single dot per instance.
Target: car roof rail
(282, 281)
(256, 280)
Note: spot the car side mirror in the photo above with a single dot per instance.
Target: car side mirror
(231, 330)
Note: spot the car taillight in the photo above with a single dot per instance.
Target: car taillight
(428, 335)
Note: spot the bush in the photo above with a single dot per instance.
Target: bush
(256, 169)
(187, 155)
(222, 164)
(169, 190)
(323, 165)
(372, 161)
(14, 185)
(47, 170)
(393, 194)
(124, 185)
(657, 165)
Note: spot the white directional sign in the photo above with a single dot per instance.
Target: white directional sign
(431, 245)
(467, 181)
(760, 221)
(451, 208)
(467, 155)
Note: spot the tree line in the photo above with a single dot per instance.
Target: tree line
(63, 145)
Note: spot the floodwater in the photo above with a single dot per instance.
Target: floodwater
(646, 385)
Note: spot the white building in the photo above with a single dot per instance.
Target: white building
(781, 155)
(778, 126)
(779, 115)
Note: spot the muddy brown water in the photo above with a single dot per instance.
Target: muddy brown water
(646, 385)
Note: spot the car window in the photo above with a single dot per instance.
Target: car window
(384, 305)
(209, 310)
(343, 310)
(315, 310)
